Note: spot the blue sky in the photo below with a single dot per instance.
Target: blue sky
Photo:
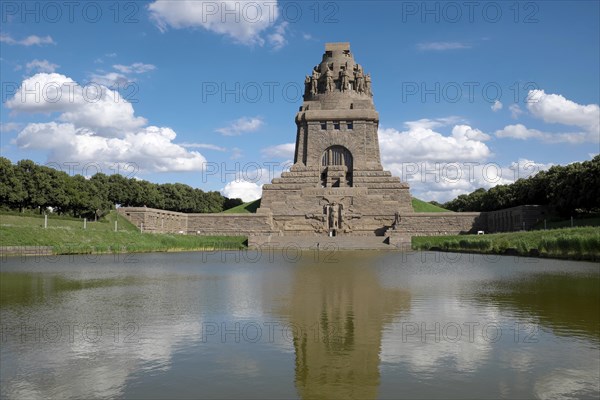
(205, 93)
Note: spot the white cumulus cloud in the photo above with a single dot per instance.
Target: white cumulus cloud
(497, 106)
(31, 40)
(151, 148)
(555, 108)
(92, 106)
(247, 191)
(242, 20)
(421, 143)
(441, 166)
(443, 181)
(242, 125)
(285, 150)
(519, 131)
(250, 178)
(40, 66)
(95, 125)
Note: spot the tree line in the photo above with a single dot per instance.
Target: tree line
(27, 185)
(566, 189)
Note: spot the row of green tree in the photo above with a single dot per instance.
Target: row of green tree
(567, 189)
(26, 185)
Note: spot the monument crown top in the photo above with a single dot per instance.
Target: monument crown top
(338, 74)
(337, 46)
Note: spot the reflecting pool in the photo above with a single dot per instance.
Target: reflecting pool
(299, 325)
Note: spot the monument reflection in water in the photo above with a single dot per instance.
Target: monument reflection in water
(338, 311)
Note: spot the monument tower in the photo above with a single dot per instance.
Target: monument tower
(336, 186)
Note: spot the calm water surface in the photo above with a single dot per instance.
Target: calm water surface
(273, 325)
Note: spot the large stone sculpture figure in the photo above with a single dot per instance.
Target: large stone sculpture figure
(368, 85)
(307, 86)
(316, 75)
(359, 80)
(329, 84)
(345, 79)
(334, 218)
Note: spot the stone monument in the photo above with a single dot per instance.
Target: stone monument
(337, 192)
(336, 186)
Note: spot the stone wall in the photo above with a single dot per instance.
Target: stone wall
(261, 224)
(163, 221)
(443, 223)
(229, 224)
(434, 224)
(155, 220)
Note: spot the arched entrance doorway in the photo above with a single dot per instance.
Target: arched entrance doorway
(336, 167)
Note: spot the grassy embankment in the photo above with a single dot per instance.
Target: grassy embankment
(573, 243)
(67, 236)
(245, 208)
(422, 206)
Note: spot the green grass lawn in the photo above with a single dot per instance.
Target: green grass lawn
(422, 206)
(577, 243)
(245, 208)
(69, 237)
